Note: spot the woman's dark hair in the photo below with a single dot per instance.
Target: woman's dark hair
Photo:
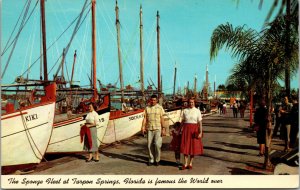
(94, 105)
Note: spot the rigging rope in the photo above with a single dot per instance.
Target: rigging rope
(21, 27)
(109, 22)
(5, 47)
(130, 49)
(65, 53)
(167, 45)
(112, 23)
(149, 53)
(41, 50)
(29, 50)
(51, 46)
(74, 32)
(17, 37)
(81, 66)
(28, 134)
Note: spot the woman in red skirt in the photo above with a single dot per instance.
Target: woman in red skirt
(191, 143)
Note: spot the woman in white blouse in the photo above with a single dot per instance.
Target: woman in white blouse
(191, 143)
(92, 121)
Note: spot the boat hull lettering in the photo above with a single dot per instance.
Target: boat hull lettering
(31, 117)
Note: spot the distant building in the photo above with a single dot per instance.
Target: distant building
(226, 95)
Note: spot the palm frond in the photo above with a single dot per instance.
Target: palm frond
(239, 40)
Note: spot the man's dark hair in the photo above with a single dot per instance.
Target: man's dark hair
(153, 96)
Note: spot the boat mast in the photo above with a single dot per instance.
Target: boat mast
(141, 52)
(195, 86)
(161, 83)
(62, 64)
(42, 4)
(174, 80)
(187, 88)
(206, 84)
(158, 56)
(94, 48)
(74, 61)
(119, 52)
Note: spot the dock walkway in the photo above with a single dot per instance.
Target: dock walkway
(230, 148)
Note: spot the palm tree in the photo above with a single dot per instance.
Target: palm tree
(289, 15)
(242, 77)
(221, 87)
(262, 56)
(287, 9)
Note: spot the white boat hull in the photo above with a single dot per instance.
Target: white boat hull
(66, 134)
(123, 127)
(170, 118)
(25, 134)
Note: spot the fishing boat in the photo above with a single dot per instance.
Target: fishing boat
(66, 129)
(123, 125)
(67, 122)
(26, 119)
(26, 131)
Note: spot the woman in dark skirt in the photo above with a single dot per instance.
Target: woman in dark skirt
(191, 142)
(261, 119)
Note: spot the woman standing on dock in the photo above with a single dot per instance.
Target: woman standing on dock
(90, 141)
(261, 119)
(191, 143)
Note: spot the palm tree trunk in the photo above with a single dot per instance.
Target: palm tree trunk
(267, 162)
(287, 50)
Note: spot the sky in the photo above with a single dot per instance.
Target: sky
(186, 27)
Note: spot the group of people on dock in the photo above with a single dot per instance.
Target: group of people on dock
(236, 106)
(187, 135)
(286, 118)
